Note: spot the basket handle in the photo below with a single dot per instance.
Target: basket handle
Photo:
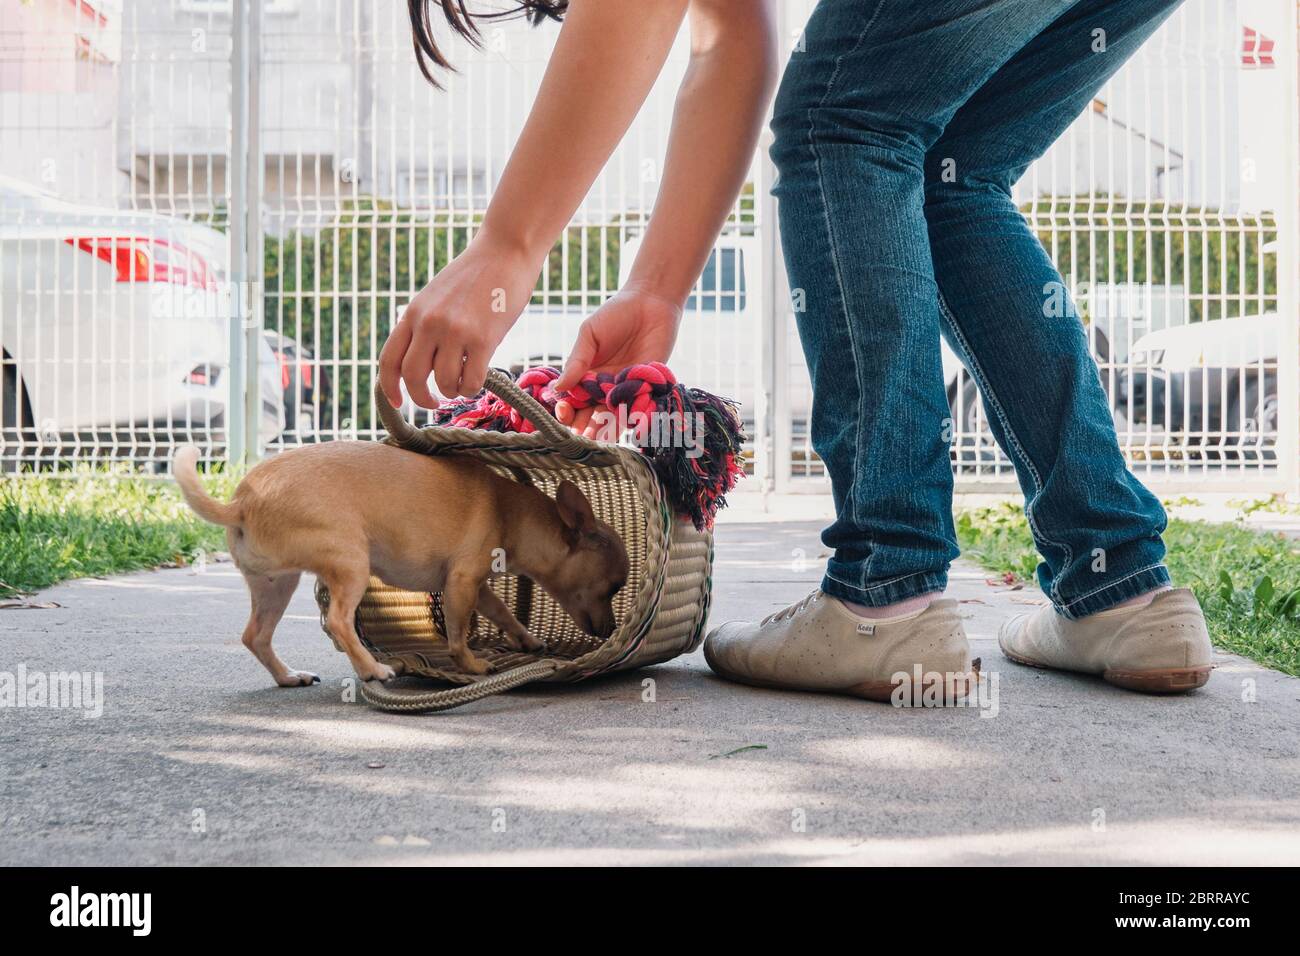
(429, 701)
(408, 436)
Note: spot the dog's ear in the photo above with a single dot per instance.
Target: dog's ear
(575, 509)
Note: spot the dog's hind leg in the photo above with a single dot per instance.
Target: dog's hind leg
(346, 591)
(270, 596)
(495, 610)
(459, 597)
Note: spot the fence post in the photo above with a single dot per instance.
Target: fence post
(782, 409)
(1288, 264)
(255, 171)
(778, 288)
(236, 170)
(770, 261)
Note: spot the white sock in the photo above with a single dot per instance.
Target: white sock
(911, 605)
(1142, 600)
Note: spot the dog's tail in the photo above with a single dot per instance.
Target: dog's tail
(204, 505)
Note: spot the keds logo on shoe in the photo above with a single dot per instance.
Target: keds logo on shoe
(102, 909)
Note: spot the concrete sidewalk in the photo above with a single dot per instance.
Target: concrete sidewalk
(197, 759)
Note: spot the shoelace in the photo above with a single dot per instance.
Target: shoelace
(797, 608)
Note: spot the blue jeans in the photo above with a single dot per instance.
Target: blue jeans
(900, 127)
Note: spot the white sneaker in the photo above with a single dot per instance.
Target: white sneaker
(1159, 648)
(818, 644)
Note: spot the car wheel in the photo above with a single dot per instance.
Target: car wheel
(305, 423)
(973, 443)
(1098, 344)
(15, 418)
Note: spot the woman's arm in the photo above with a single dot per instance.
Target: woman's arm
(716, 123)
(606, 60)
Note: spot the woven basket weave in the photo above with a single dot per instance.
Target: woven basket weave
(660, 611)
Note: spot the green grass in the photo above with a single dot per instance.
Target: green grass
(1248, 582)
(100, 522)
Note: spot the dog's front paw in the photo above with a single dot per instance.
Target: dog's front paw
(525, 641)
(473, 665)
(297, 679)
(378, 671)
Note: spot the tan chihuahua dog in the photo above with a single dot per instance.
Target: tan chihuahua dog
(346, 510)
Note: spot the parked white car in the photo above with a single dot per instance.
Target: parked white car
(1215, 381)
(114, 323)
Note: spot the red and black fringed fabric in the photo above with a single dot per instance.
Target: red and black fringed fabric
(691, 437)
(486, 412)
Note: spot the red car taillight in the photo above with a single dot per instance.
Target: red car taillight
(304, 370)
(146, 259)
(204, 374)
(284, 369)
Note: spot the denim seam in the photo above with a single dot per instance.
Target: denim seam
(1106, 587)
(879, 584)
(839, 61)
(882, 584)
(850, 504)
(982, 381)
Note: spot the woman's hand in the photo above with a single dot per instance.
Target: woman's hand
(716, 121)
(455, 323)
(631, 327)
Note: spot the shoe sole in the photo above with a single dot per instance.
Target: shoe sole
(1171, 680)
(880, 691)
(1175, 680)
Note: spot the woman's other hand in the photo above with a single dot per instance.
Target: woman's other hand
(633, 326)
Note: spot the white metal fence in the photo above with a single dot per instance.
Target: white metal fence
(191, 180)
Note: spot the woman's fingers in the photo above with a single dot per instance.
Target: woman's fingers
(390, 362)
(417, 364)
(580, 359)
(582, 422)
(578, 419)
(474, 374)
(448, 365)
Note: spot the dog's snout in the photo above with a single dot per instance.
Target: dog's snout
(599, 623)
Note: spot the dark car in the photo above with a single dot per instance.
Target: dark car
(307, 388)
(1211, 386)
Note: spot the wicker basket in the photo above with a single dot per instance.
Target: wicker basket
(660, 611)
